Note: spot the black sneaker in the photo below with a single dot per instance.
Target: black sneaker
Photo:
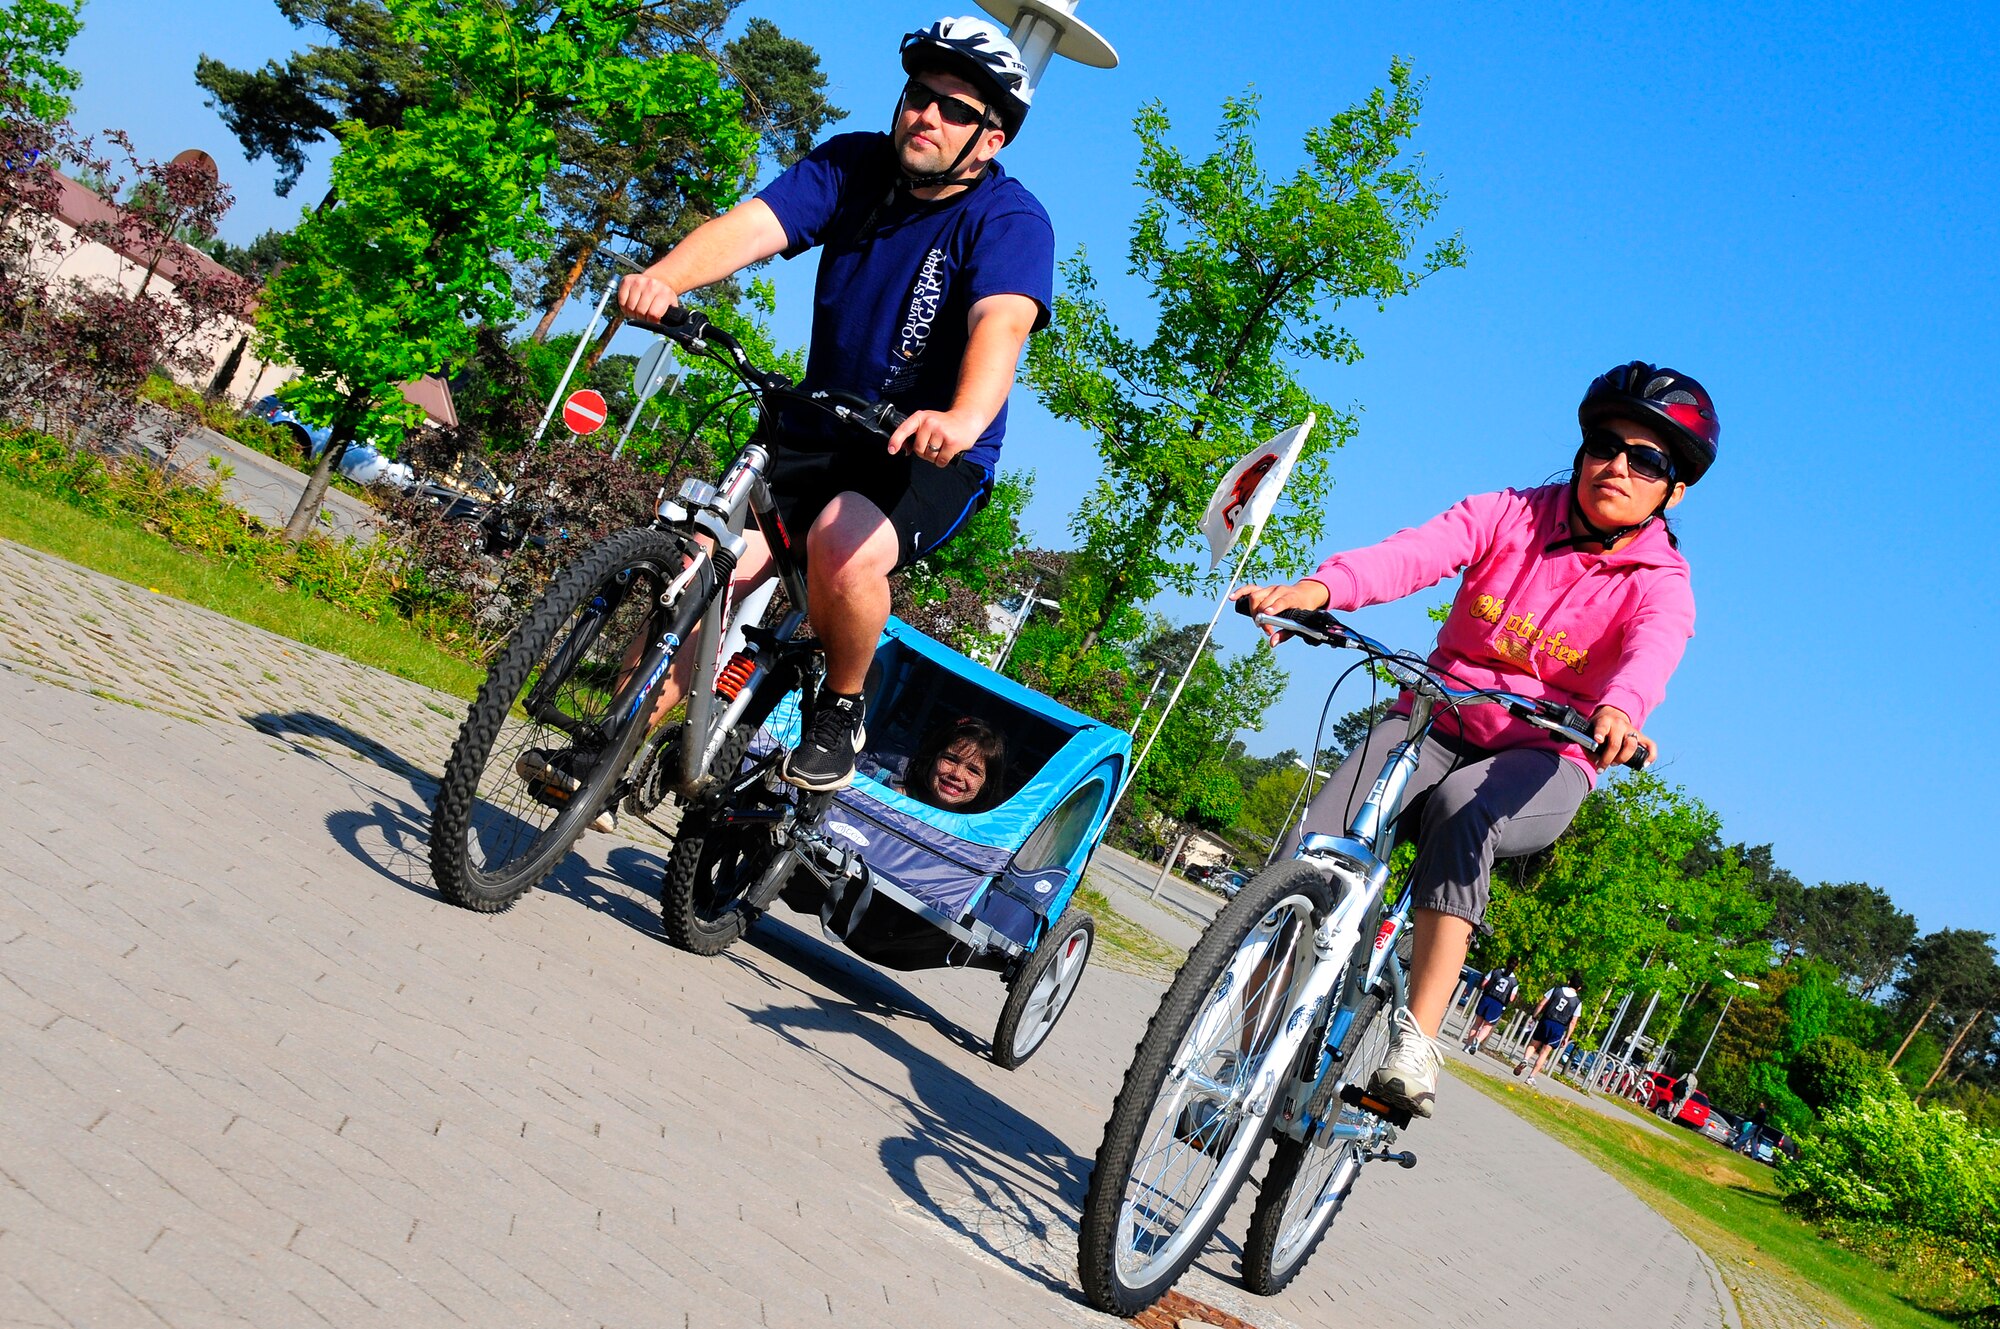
(824, 758)
(552, 777)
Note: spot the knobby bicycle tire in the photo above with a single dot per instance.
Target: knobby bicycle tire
(1152, 1059)
(452, 817)
(1264, 1272)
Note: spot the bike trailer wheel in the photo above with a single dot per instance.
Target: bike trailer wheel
(1041, 991)
(540, 749)
(1197, 1100)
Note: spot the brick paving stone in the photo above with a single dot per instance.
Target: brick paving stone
(260, 1074)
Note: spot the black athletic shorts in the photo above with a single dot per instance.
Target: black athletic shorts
(926, 504)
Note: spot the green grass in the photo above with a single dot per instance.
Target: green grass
(1728, 1206)
(132, 554)
(1125, 945)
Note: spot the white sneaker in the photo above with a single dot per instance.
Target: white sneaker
(606, 820)
(1408, 1077)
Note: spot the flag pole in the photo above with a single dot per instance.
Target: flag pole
(1235, 575)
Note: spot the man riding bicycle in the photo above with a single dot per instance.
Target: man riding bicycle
(935, 267)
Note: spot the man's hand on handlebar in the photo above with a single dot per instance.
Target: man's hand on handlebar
(1617, 740)
(646, 298)
(1277, 599)
(936, 436)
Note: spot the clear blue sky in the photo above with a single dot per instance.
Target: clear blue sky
(1799, 204)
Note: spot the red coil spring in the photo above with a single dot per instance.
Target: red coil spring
(734, 675)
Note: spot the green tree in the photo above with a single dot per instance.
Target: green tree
(370, 74)
(1952, 968)
(1627, 885)
(1186, 775)
(34, 38)
(387, 284)
(257, 260)
(1857, 929)
(639, 192)
(1246, 275)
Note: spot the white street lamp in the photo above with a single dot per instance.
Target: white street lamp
(1298, 799)
(1720, 1018)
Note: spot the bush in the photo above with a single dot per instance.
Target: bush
(1831, 1072)
(377, 580)
(257, 435)
(1888, 1160)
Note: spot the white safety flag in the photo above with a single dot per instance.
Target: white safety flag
(1246, 496)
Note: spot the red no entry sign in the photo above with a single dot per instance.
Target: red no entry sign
(584, 411)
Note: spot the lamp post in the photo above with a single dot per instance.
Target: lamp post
(1720, 1018)
(1028, 603)
(1304, 785)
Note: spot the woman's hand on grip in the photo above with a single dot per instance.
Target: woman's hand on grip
(1617, 740)
(1277, 599)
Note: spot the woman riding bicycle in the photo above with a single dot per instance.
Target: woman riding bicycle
(1574, 592)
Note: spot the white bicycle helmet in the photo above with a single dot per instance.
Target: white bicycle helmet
(982, 55)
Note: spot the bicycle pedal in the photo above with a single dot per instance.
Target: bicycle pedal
(1356, 1097)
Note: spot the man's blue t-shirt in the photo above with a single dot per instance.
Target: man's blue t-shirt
(898, 277)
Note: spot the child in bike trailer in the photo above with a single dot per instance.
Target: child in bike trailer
(1575, 592)
(935, 266)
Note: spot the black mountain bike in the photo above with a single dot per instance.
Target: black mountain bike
(567, 705)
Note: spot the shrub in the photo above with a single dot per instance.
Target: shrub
(1888, 1160)
(257, 435)
(1831, 1072)
(376, 580)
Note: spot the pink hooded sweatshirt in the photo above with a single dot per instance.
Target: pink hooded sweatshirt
(1587, 629)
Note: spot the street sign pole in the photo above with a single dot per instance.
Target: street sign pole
(652, 373)
(582, 341)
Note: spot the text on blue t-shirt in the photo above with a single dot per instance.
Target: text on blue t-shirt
(898, 277)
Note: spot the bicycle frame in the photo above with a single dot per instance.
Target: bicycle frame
(1358, 863)
(719, 513)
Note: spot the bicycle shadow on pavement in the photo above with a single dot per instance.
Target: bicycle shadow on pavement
(984, 1170)
(307, 732)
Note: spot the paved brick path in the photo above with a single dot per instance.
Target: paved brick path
(256, 1073)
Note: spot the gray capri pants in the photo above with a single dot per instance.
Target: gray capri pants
(1482, 805)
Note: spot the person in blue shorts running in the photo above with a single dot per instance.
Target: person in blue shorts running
(1554, 1014)
(1497, 992)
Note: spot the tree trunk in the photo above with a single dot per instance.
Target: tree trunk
(1905, 1046)
(596, 353)
(234, 361)
(1952, 1051)
(307, 512)
(566, 287)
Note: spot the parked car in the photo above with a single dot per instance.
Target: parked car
(1693, 1113)
(1654, 1090)
(1228, 882)
(1770, 1145)
(361, 463)
(1720, 1126)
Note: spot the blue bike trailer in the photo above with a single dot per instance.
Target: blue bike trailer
(948, 888)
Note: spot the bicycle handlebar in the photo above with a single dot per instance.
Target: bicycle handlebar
(1320, 628)
(693, 329)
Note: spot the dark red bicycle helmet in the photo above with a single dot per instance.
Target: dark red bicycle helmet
(1666, 398)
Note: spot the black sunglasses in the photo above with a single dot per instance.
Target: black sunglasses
(920, 96)
(1647, 462)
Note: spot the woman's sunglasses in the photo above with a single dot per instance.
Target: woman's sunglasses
(1646, 461)
(919, 97)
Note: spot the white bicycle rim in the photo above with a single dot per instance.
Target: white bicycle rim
(1176, 1186)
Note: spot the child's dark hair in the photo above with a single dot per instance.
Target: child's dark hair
(985, 739)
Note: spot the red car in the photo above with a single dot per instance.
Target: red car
(1656, 1094)
(1654, 1090)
